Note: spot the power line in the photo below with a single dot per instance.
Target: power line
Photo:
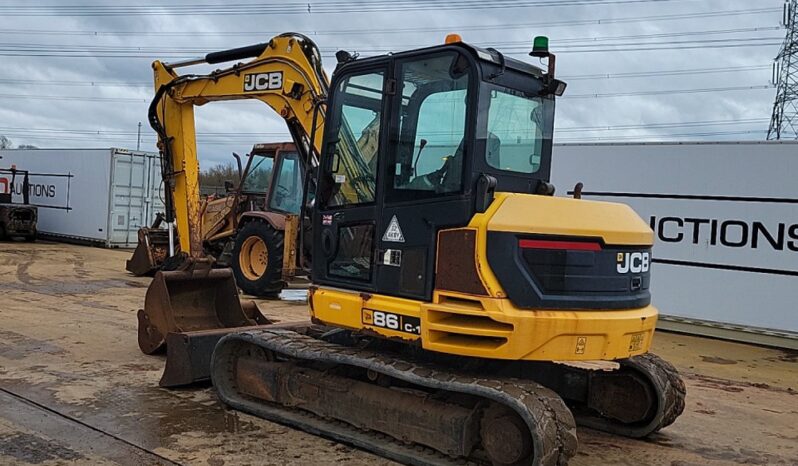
(673, 72)
(507, 45)
(654, 137)
(573, 96)
(423, 29)
(54, 51)
(75, 83)
(596, 76)
(33, 132)
(641, 138)
(661, 125)
(564, 42)
(667, 92)
(296, 8)
(73, 98)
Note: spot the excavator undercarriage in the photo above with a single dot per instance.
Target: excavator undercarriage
(412, 406)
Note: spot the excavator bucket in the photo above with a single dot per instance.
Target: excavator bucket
(152, 249)
(200, 298)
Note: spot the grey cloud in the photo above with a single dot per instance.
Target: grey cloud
(238, 118)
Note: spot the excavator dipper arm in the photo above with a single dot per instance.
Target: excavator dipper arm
(285, 74)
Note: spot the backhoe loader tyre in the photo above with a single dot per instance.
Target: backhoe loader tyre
(258, 259)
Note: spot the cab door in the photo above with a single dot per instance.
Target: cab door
(426, 169)
(347, 215)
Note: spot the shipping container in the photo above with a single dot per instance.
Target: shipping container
(725, 218)
(95, 196)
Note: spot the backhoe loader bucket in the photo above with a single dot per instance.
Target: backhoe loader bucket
(191, 300)
(152, 249)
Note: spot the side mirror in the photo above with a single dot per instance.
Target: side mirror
(228, 186)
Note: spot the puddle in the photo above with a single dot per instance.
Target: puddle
(717, 360)
(32, 449)
(17, 346)
(56, 288)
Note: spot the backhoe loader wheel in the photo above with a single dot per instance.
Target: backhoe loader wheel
(258, 259)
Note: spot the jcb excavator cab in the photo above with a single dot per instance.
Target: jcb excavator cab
(448, 125)
(443, 229)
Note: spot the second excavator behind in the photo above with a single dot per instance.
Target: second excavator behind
(460, 314)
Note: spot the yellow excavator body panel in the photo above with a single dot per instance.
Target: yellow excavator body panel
(526, 213)
(490, 325)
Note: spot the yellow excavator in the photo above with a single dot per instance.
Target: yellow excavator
(459, 312)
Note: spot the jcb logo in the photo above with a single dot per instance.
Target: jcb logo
(635, 262)
(263, 81)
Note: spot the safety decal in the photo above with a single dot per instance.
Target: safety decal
(394, 232)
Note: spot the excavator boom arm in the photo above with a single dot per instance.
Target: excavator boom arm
(286, 75)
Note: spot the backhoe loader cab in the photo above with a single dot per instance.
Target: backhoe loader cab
(275, 172)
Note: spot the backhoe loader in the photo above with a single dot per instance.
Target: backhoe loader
(245, 229)
(459, 312)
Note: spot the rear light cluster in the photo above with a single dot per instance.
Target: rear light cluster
(571, 265)
(559, 245)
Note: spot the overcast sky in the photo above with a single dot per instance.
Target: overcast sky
(75, 75)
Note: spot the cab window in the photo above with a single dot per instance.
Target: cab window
(428, 158)
(287, 193)
(351, 176)
(259, 176)
(516, 130)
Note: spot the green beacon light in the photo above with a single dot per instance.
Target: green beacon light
(540, 47)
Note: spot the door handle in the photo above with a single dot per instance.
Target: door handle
(328, 241)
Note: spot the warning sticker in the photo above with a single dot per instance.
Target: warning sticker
(581, 343)
(394, 233)
(636, 342)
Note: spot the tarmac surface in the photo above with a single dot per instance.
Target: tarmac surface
(75, 389)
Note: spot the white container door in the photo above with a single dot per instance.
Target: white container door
(128, 210)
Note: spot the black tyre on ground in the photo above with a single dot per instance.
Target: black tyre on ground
(258, 259)
(30, 238)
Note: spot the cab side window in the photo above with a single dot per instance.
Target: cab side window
(352, 176)
(287, 193)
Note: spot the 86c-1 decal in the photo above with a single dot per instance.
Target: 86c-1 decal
(391, 321)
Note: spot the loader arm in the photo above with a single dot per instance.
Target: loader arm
(285, 74)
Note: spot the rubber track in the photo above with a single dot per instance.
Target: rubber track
(542, 409)
(669, 388)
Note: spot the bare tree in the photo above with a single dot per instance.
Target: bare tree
(212, 180)
(5, 143)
